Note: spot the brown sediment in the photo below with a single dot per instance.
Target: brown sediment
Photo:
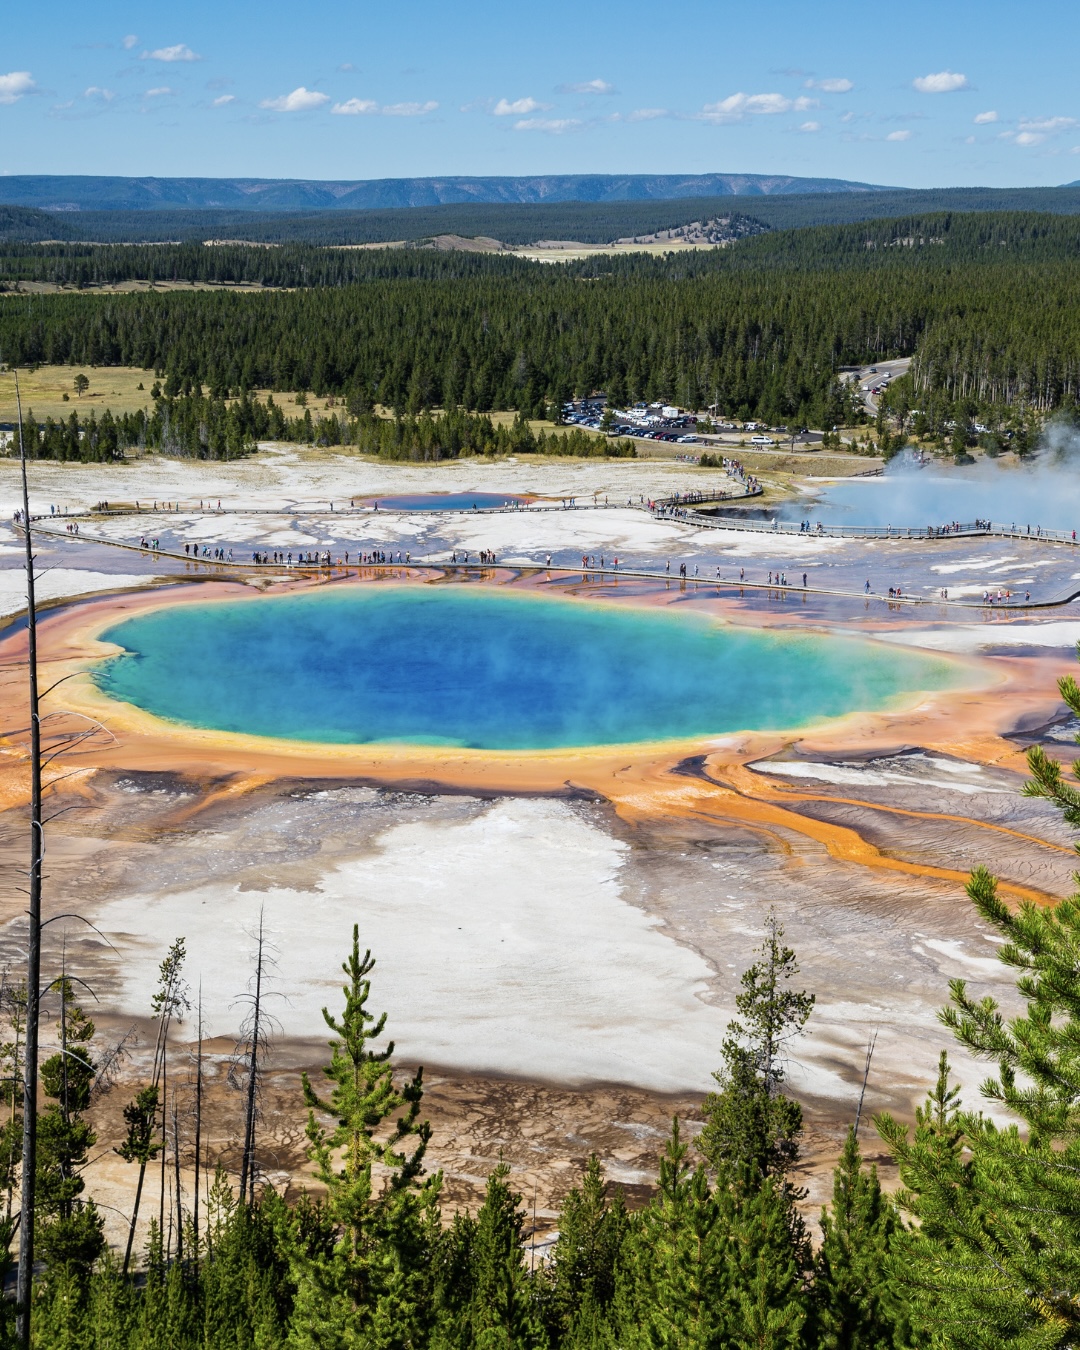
(716, 801)
(640, 781)
(742, 780)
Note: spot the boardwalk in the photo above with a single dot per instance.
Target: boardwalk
(56, 525)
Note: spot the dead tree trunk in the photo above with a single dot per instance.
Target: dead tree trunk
(176, 1174)
(164, 1143)
(198, 1125)
(247, 1166)
(170, 1000)
(33, 947)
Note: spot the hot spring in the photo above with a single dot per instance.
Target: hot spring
(1045, 493)
(490, 669)
(446, 501)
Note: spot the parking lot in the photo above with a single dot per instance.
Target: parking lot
(665, 423)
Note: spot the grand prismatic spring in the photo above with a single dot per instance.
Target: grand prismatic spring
(558, 804)
(488, 669)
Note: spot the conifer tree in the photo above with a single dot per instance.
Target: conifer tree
(374, 1288)
(856, 1304)
(751, 1127)
(998, 1250)
(751, 1140)
(997, 1260)
(494, 1303)
(69, 1231)
(581, 1273)
(13, 1005)
(673, 1285)
(767, 1269)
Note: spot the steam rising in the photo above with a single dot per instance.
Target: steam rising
(1043, 491)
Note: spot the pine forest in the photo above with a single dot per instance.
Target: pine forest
(986, 305)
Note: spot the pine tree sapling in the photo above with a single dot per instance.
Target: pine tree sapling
(498, 1308)
(996, 1260)
(856, 1302)
(69, 1229)
(751, 1127)
(705, 1267)
(581, 1273)
(374, 1289)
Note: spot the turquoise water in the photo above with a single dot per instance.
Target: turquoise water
(444, 501)
(490, 669)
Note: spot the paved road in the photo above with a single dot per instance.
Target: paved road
(871, 377)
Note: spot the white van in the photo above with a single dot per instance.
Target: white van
(762, 440)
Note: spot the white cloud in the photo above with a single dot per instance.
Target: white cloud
(983, 119)
(737, 107)
(518, 107)
(898, 136)
(223, 101)
(1035, 130)
(367, 107)
(179, 52)
(969, 140)
(130, 41)
(106, 95)
(408, 109)
(810, 126)
(944, 82)
(555, 126)
(300, 100)
(355, 107)
(161, 91)
(1050, 126)
(14, 85)
(587, 87)
(831, 86)
(646, 114)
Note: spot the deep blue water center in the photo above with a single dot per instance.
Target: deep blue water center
(489, 669)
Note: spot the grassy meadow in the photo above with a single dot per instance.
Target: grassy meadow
(43, 390)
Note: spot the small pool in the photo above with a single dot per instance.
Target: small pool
(490, 669)
(447, 501)
(905, 496)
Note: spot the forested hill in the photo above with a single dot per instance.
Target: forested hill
(991, 316)
(910, 242)
(93, 193)
(949, 237)
(516, 223)
(27, 224)
(905, 244)
(290, 265)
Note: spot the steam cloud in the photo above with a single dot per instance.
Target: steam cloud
(1043, 491)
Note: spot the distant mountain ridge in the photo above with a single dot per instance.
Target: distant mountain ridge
(59, 193)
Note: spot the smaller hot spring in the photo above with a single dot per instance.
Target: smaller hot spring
(1044, 493)
(490, 669)
(447, 501)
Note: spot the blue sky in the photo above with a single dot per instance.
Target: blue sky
(915, 93)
